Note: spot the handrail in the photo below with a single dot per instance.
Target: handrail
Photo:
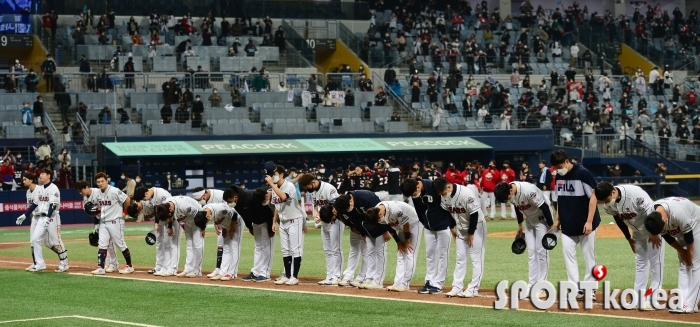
(58, 139)
(396, 98)
(86, 130)
(666, 161)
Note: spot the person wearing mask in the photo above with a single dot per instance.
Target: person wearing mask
(664, 137)
(215, 99)
(197, 112)
(489, 178)
(38, 111)
(507, 176)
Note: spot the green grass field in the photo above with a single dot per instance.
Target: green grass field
(32, 296)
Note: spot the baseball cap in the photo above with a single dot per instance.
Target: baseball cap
(293, 169)
(269, 168)
(426, 163)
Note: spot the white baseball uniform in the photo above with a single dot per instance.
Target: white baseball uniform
(683, 218)
(528, 199)
(227, 219)
(462, 203)
(397, 215)
(112, 259)
(331, 233)
(290, 224)
(111, 228)
(632, 208)
(167, 247)
(47, 198)
(216, 196)
(185, 210)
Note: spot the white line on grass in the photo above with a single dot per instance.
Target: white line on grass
(390, 299)
(79, 317)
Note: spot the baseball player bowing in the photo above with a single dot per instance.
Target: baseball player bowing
(43, 204)
(84, 189)
(630, 205)
(470, 235)
(290, 221)
(167, 246)
(331, 233)
(530, 206)
(229, 226)
(437, 223)
(258, 215)
(109, 222)
(677, 220)
(183, 209)
(403, 218)
(204, 197)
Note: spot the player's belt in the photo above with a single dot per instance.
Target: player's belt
(291, 221)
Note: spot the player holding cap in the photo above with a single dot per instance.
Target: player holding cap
(229, 225)
(630, 205)
(437, 223)
(290, 220)
(677, 220)
(167, 246)
(42, 205)
(403, 218)
(109, 222)
(87, 192)
(530, 206)
(204, 197)
(258, 215)
(470, 235)
(331, 233)
(183, 209)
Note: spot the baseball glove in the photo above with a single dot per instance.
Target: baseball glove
(200, 220)
(93, 238)
(518, 246)
(91, 209)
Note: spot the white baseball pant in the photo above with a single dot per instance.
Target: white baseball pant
(488, 199)
(232, 250)
(394, 197)
(537, 255)
(112, 255)
(31, 234)
(264, 250)
(374, 259)
(48, 235)
(437, 251)
(358, 250)
(689, 277)
(195, 249)
(406, 262)
(475, 254)
(332, 237)
(112, 232)
(160, 247)
(648, 258)
(503, 210)
(587, 247)
(382, 195)
(170, 247)
(292, 237)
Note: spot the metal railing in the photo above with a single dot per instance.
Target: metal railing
(398, 102)
(58, 140)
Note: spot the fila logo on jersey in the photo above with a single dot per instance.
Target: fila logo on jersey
(562, 186)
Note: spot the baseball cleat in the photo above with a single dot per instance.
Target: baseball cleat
(468, 294)
(541, 294)
(167, 273)
(399, 288)
(686, 308)
(390, 287)
(191, 275)
(62, 268)
(292, 281)
(250, 278)
(425, 289)
(372, 285)
(324, 282)
(282, 280)
(217, 277)
(98, 271)
(37, 269)
(29, 268)
(356, 283)
(127, 270)
(344, 282)
(454, 292)
(435, 290)
(152, 271)
(646, 307)
(111, 269)
(214, 273)
(333, 282)
(262, 279)
(182, 274)
(226, 277)
(525, 294)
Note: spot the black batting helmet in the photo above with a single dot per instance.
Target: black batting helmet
(518, 246)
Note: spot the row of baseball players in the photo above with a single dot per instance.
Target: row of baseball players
(456, 214)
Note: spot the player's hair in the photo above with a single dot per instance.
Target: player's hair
(163, 211)
(280, 170)
(558, 157)
(501, 192)
(47, 171)
(81, 184)
(30, 177)
(653, 223)
(603, 190)
(543, 162)
(259, 195)
(133, 209)
(342, 203)
(326, 213)
(139, 193)
(372, 216)
(100, 175)
(198, 188)
(408, 187)
(306, 180)
(229, 193)
(440, 184)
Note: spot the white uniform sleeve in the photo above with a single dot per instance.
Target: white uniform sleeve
(470, 199)
(54, 194)
(289, 189)
(121, 196)
(533, 194)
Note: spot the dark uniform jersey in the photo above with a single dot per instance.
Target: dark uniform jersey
(472, 175)
(341, 183)
(429, 174)
(380, 182)
(394, 180)
(321, 177)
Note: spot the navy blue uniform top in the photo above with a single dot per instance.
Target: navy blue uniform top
(394, 175)
(363, 200)
(253, 213)
(430, 213)
(574, 191)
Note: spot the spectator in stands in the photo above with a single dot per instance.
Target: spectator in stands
(9, 84)
(250, 48)
(182, 113)
(105, 116)
(48, 68)
(166, 113)
(136, 38)
(27, 114)
(7, 175)
(67, 129)
(396, 116)
(415, 93)
(63, 101)
(171, 91)
(683, 134)
(313, 83)
(197, 112)
(506, 118)
(482, 113)
(44, 150)
(38, 111)
(366, 84)
(64, 157)
(187, 96)
(437, 116)
(84, 69)
(215, 99)
(664, 137)
(660, 169)
(123, 116)
(380, 98)
(349, 98)
(81, 108)
(326, 100)
(185, 55)
(9, 156)
(132, 27)
(104, 82)
(206, 37)
(280, 40)
(389, 75)
(236, 98)
(260, 82)
(333, 86)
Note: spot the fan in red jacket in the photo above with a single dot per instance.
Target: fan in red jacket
(453, 175)
(507, 176)
(7, 175)
(489, 178)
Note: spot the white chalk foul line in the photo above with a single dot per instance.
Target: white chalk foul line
(390, 299)
(79, 317)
